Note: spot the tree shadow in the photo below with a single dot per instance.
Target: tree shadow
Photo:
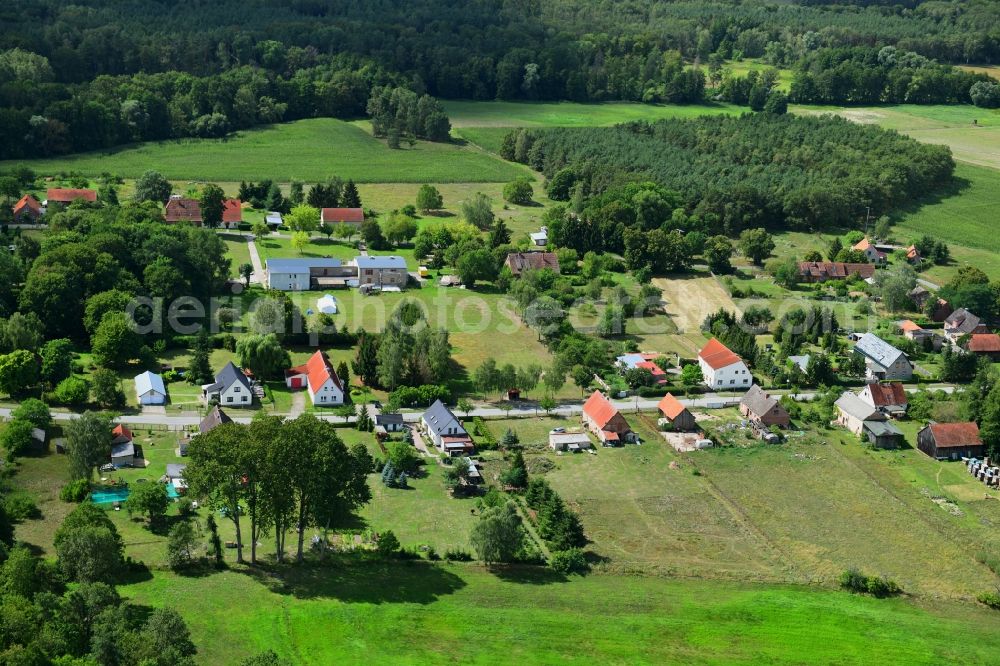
(526, 574)
(366, 581)
(135, 572)
(955, 187)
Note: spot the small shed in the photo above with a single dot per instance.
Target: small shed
(677, 415)
(883, 434)
(391, 422)
(569, 441)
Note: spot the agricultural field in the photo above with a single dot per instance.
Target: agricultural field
(571, 114)
(309, 150)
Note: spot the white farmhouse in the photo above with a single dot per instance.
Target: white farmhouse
(722, 368)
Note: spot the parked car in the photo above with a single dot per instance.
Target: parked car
(556, 431)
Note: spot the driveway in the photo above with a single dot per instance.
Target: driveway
(298, 404)
(258, 267)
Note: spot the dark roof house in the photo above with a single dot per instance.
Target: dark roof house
(214, 418)
(758, 405)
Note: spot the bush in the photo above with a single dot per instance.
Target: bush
(419, 396)
(457, 555)
(569, 561)
(185, 507)
(388, 544)
(991, 599)
(20, 506)
(878, 586)
(75, 491)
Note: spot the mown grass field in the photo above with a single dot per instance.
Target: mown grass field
(571, 114)
(308, 150)
(435, 614)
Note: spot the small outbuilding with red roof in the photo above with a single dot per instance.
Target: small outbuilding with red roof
(951, 441)
(64, 196)
(677, 415)
(605, 421)
(985, 344)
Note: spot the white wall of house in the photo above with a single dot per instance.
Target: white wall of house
(901, 369)
(288, 281)
(734, 376)
(327, 394)
(152, 398)
(236, 396)
(451, 428)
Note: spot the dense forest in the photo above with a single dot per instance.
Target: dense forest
(89, 74)
(735, 173)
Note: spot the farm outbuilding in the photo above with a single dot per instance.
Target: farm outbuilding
(677, 415)
(569, 441)
(149, 389)
(951, 440)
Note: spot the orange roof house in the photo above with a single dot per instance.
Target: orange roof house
(721, 368)
(887, 397)
(679, 416)
(605, 421)
(342, 216)
(319, 378)
(27, 208)
(232, 213)
(60, 195)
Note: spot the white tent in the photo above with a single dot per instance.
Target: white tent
(327, 304)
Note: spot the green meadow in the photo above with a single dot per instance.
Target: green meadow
(308, 150)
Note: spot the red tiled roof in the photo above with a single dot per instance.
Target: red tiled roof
(183, 210)
(862, 245)
(121, 431)
(29, 202)
(654, 369)
(912, 252)
(835, 269)
(343, 215)
(599, 409)
(908, 325)
(718, 355)
(610, 435)
(984, 343)
(891, 393)
(232, 210)
(64, 195)
(319, 370)
(670, 406)
(518, 262)
(955, 434)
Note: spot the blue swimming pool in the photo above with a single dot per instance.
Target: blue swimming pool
(120, 494)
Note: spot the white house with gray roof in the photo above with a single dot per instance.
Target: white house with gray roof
(232, 388)
(311, 273)
(882, 360)
(445, 430)
(149, 389)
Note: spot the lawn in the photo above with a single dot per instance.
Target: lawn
(571, 114)
(309, 150)
(435, 614)
(742, 67)
(237, 251)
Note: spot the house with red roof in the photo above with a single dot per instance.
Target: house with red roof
(677, 415)
(122, 447)
(605, 421)
(875, 255)
(821, 271)
(984, 344)
(951, 441)
(887, 397)
(722, 368)
(913, 255)
(232, 213)
(64, 196)
(354, 216)
(183, 210)
(643, 362)
(319, 379)
(27, 210)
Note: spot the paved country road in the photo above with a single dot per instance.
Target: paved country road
(518, 411)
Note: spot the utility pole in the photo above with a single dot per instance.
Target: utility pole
(868, 213)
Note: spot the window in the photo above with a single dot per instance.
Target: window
(243, 398)
(229, 398)
(732, 381)
(236, 389)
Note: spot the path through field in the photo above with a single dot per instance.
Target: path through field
(690, 299)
